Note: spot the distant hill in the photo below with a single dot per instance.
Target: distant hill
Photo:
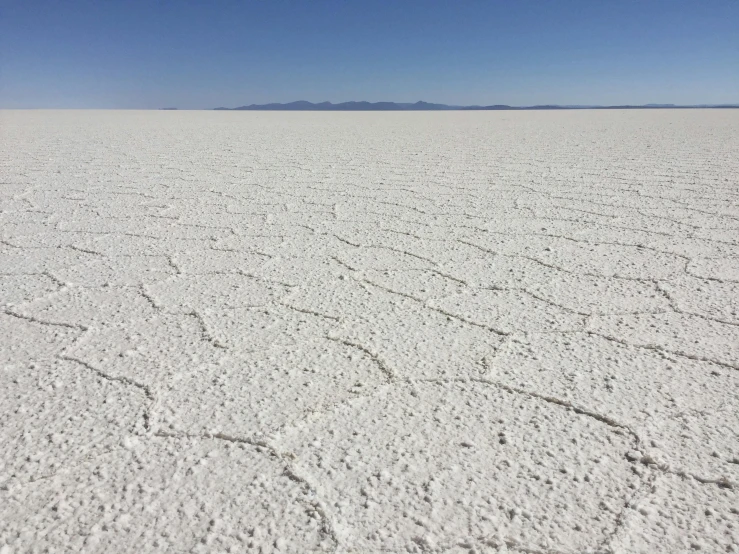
(302, 105)
(305, 106)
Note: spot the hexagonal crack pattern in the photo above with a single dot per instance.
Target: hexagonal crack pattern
(407, 332)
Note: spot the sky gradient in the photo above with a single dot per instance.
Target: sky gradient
(152, 54)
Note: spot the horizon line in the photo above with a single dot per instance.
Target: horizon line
(363, 105)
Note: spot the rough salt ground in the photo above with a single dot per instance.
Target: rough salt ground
(407, 332)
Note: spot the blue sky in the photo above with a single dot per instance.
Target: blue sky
(160, 53)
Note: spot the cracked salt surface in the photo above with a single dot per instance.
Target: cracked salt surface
(408, 332)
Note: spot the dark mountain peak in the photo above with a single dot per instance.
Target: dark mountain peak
(363, 105)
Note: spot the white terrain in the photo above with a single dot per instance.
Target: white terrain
(369, 332)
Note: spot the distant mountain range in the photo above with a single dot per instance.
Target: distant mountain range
(302, 105)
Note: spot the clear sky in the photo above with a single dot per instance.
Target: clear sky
(188, 54)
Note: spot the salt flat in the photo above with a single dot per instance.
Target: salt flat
(369, 332)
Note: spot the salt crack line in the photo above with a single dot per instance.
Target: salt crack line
(646, 488)
(662, 350)
(511, 545)
(549, 399)
(673, 304)
(289, 470)
(86, 251)
(147, 391)
(562, 269)
(33, 319)
(308, 312)
(434, 308)
(205, 333)
(389, 373)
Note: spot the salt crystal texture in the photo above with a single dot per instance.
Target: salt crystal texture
(369, 332)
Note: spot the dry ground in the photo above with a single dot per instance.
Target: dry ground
(369, 332)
